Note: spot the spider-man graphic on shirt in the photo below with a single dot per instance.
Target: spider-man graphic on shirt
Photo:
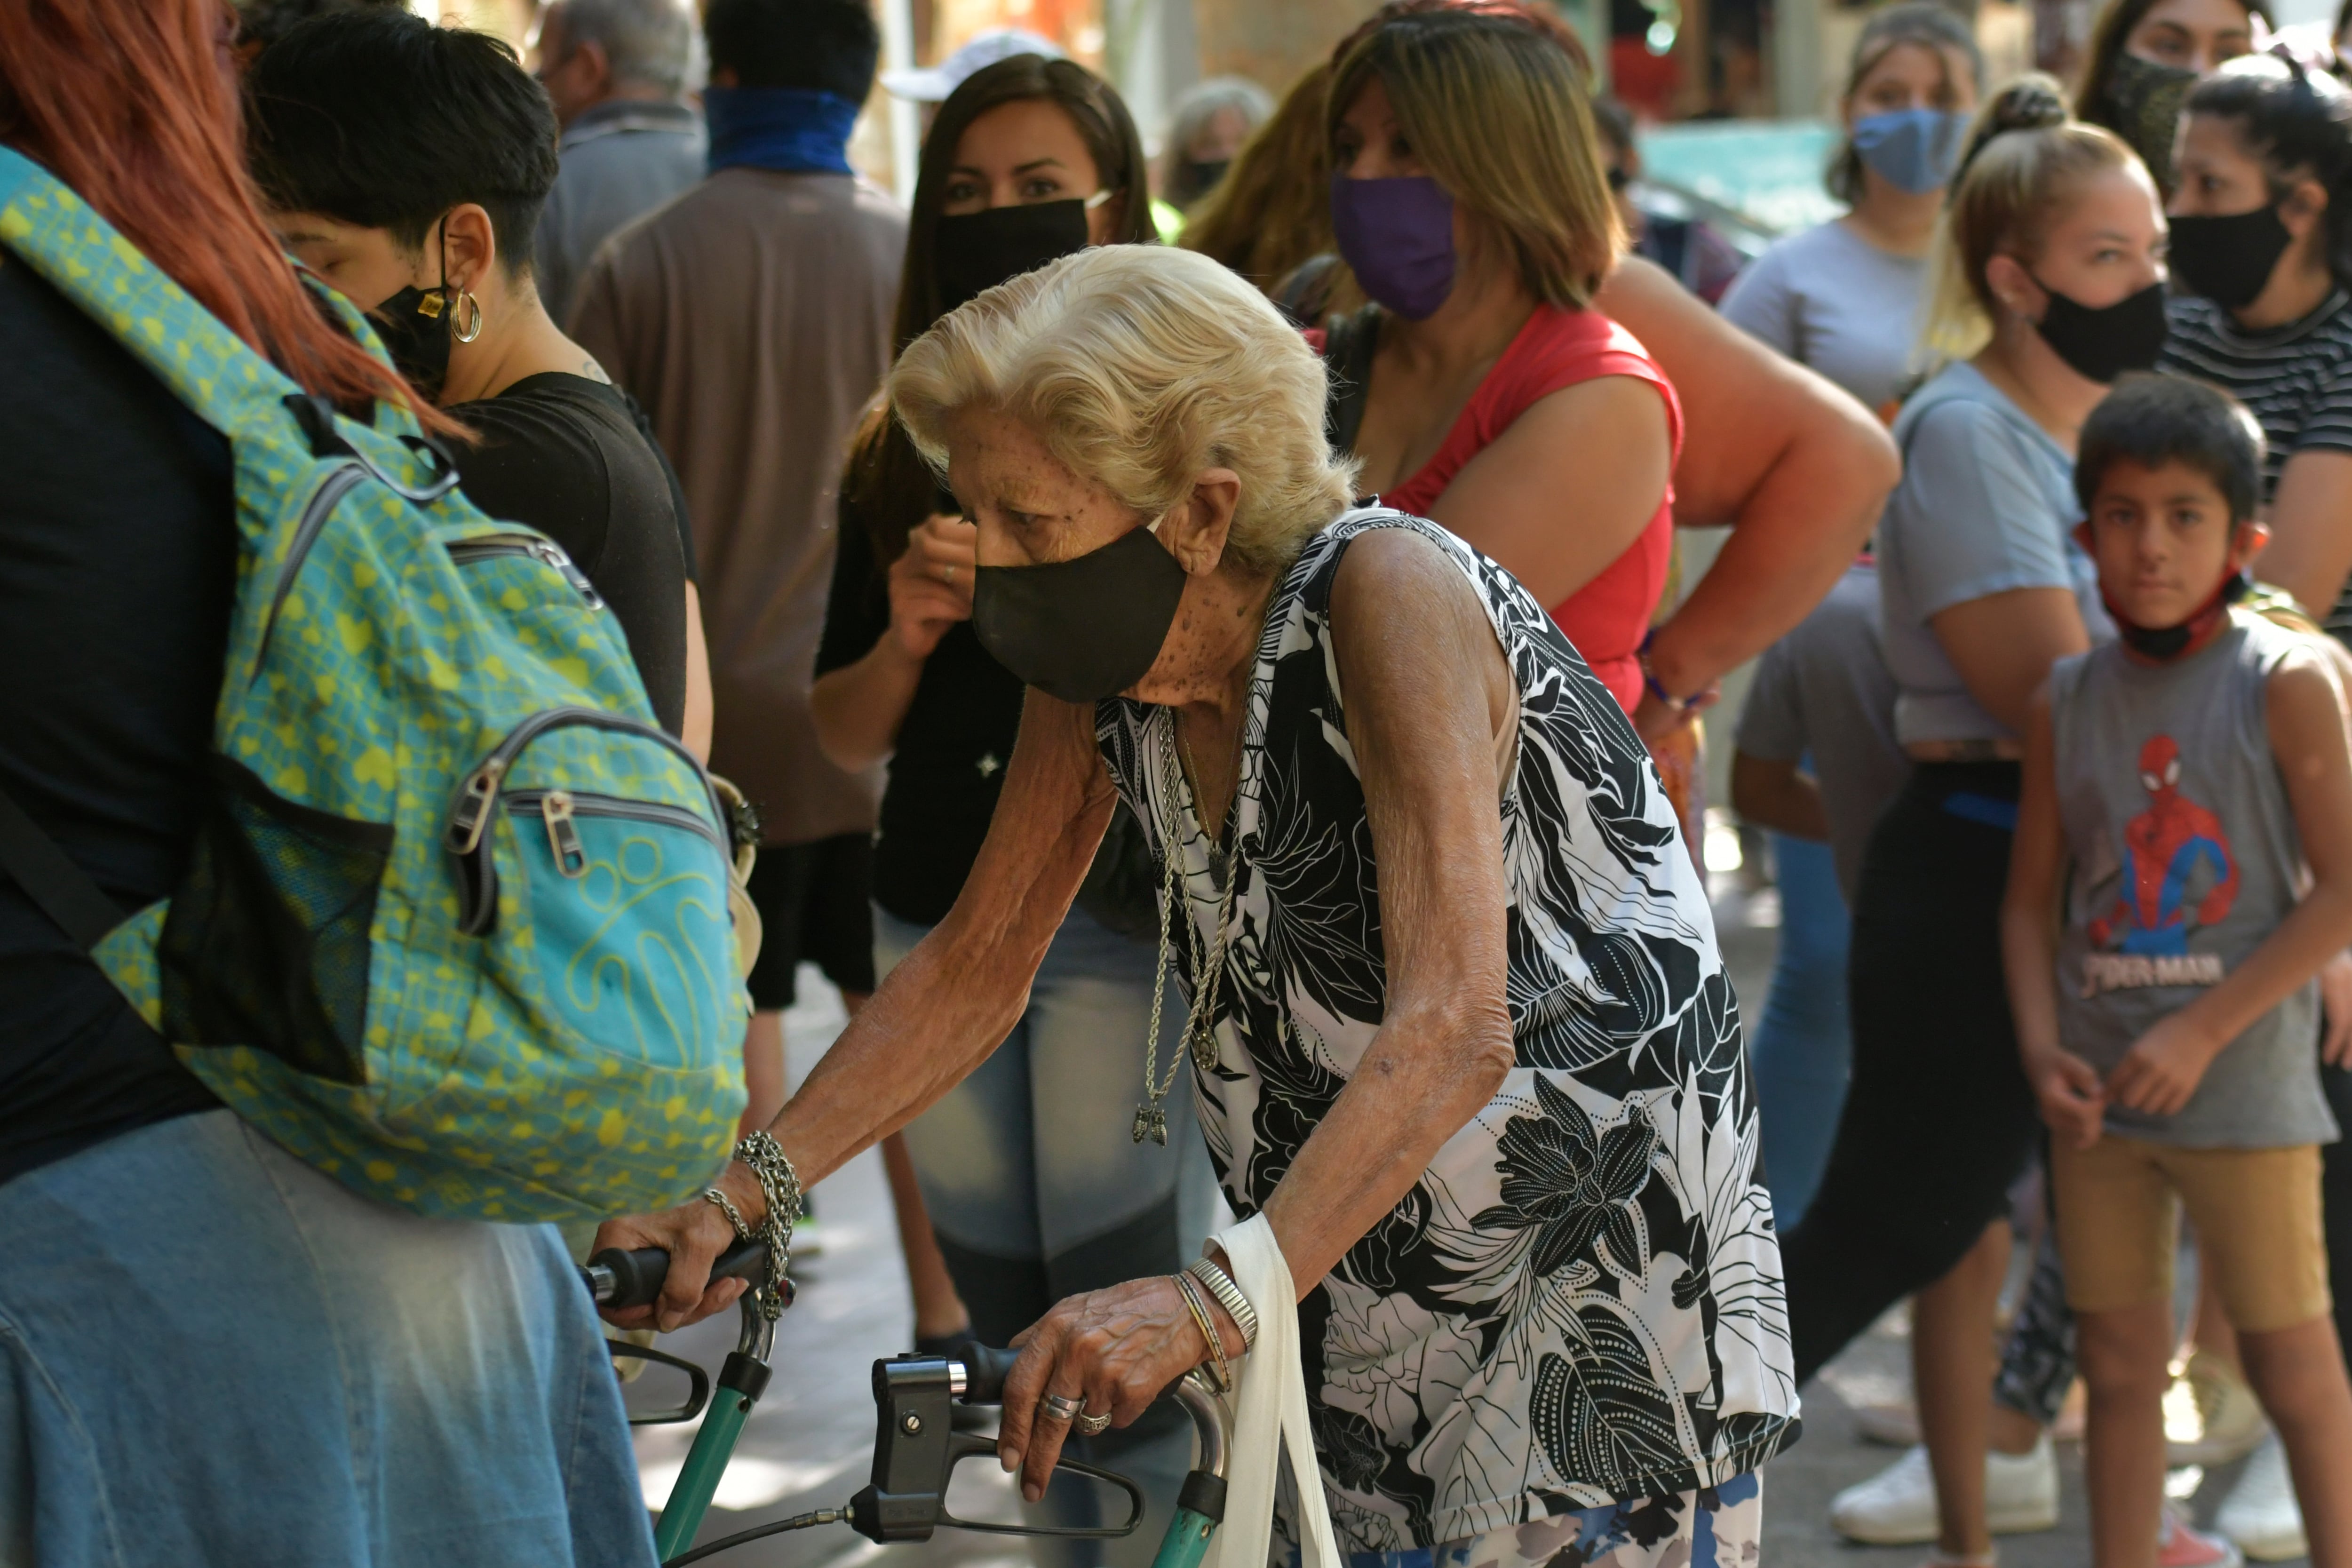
(2163, 848)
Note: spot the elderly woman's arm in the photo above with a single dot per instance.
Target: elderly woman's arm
(944, 1009)
(1427, 690)
(1797, 468)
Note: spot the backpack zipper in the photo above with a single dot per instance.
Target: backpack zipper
(558, 808)
(477, 800)
(485, 546)
(322, 503)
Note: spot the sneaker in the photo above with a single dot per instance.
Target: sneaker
(1894, 1426)
(2259, 1513)
(2210, 1416)
(2179, 1546)
(1896, 1507)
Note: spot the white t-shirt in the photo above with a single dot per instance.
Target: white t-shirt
(1830, 300)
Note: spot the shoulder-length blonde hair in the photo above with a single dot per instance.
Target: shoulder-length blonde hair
(1139, 367)
(2025, 158)
(1500, 117)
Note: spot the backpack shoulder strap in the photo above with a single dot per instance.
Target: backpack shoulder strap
(62, 890)
(210, 368)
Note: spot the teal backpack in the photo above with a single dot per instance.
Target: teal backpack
(455, 926)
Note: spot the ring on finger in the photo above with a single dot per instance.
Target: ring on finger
(1093, 1425)
(1061, 1407)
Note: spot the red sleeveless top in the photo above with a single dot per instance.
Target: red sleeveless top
(1606, 618)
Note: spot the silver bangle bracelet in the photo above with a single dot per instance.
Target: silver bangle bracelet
(1228, 1295)
(1219, 1373)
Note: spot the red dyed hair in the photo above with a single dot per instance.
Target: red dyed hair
(133, 104)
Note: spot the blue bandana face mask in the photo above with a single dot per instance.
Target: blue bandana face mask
(1914, 150)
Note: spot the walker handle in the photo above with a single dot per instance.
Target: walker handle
(616, 1279)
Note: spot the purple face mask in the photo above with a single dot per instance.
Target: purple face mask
(1397, 236)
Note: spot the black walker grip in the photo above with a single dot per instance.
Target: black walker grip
(984, 1371)
(637, 1276)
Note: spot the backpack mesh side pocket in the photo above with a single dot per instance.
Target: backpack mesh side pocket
(267, 942)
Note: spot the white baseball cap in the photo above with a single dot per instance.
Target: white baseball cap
(930, 84)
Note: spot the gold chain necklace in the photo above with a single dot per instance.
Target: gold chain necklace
(1200, 1017)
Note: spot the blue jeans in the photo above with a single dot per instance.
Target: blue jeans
(1037, 1189)
(212, 1354)
(1803, 1050)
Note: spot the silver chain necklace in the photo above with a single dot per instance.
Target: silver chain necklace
(1200, 1017)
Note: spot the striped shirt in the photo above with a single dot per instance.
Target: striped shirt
(2296, 379)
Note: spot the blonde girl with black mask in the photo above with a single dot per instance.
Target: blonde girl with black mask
(2049, 283)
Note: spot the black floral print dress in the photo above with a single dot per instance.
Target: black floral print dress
(1580, 1300)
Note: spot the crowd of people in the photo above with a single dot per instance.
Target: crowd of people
(1205, 642)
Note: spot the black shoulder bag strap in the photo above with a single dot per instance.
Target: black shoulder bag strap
(1347, 345)
(62, 890)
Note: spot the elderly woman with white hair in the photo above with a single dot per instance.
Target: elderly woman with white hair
(1460, 1037)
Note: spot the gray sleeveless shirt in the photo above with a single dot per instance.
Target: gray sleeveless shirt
(2185, 858)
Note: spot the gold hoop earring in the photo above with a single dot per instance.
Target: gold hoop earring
(466, 335)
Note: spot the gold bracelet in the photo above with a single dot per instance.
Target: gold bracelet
(1222, 1379)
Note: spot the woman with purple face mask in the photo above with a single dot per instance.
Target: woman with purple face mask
(1468, 197)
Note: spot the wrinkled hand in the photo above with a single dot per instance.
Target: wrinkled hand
(1116, 1349)
(930, 583)
(2163, 1067)
(694, 1234)
(1655, 720)
(2074, 1102)
(2336, 1004)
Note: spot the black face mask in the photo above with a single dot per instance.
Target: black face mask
(1202, 175)
(2170, 642)
(2102, 343)
(415, 325)
(977, 251)
(2229, 259)
(1082, 629)
(2144, 99)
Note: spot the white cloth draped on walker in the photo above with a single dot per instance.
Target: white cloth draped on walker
(1270, 1410)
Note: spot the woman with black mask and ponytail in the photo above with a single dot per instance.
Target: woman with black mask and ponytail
(1038, 1182)
(2048, 285)
(2262, 245)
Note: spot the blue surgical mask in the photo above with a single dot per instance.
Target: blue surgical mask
(1914, 150)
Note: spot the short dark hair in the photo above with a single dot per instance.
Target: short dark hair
(829, 46)
(381, 118)
(2153, 420)
(261, 23)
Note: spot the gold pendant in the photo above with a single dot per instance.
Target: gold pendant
(1151, 1121)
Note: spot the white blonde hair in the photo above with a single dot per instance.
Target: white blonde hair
(1140, 366)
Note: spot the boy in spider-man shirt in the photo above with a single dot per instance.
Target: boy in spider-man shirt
(2188, 791)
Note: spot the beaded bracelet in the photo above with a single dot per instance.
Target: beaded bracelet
(1650, 681)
